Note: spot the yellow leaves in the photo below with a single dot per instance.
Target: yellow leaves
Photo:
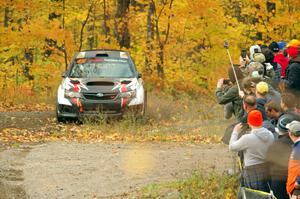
(194, 46)
(9, 106)
(80, 134)
(14, 135)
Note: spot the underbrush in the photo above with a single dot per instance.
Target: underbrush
(24, 99)
(198, 185)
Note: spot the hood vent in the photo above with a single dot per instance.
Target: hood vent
(100, 84)
(126, 82)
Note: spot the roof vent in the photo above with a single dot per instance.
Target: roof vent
(102, 55)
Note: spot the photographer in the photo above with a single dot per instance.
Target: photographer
(230, 95)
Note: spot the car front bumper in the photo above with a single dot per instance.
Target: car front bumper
(94, 108)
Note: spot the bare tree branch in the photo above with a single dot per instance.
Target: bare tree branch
(169, 24)
(83, 25)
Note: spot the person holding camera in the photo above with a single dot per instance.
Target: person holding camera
(227, 92)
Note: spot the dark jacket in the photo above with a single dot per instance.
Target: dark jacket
(244, 119)
(260, 103)
(292, 76)
(277, 157)
(231, 96)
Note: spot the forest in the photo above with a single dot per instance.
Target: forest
(176, 45)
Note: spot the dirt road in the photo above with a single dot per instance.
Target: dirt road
(33, 121)
(100, 170)
(95, 170)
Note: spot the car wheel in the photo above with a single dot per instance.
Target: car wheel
(59, 118)
(144, 106)
(141, 111)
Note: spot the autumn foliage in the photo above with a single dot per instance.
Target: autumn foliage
(177, 45)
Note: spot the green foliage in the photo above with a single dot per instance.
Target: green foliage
(199, 185)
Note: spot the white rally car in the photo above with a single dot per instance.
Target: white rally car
(102, 82)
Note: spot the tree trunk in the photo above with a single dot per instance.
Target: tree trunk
(150, 37)
(6, 18)
(161, 43)
(28, 56)
(105, 18)
(64, 42)
(160, 64)
(91, 30)
(83, 25)
(122, 29)
(8, 14)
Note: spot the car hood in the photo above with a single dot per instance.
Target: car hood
(103, 85)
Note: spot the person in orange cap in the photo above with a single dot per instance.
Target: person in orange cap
(254, 147)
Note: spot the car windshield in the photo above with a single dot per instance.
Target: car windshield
(101, 67)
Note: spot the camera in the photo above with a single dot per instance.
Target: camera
(244, 53)
(256, 50)
(226, 81)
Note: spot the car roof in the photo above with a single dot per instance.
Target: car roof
(102, 53)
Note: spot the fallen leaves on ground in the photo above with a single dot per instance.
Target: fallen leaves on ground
(76, 133)
(10, 107)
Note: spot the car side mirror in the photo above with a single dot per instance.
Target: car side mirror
(139, 75)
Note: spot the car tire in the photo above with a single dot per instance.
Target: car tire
(59, 118)
(144, 106)
(141, 111)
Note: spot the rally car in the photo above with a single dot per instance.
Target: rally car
(100, 82)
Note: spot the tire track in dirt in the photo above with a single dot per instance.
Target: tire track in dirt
(11, 173)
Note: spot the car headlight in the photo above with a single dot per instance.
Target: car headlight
(129, 94)
(72, 94)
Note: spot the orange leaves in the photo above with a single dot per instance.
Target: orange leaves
(9, 106)
(79, 134)
(14, 135)
(184, 38)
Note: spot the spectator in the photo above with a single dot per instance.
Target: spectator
(232, 94)
(297, 108)
(293, 43)
(292, 186)
(256, 65)
(262, 89)
(273, 112)
(249, 88)
(273, 69)
(249, 85)
(278, 167)
(279, 56)
(288, 103)
(249, 104)
(292, 79)
(254, 147)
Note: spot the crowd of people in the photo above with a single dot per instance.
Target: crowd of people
(263, 93)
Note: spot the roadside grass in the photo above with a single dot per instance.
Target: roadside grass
(25, 99)
(198, 185)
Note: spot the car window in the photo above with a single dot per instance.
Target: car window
(101, 67)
